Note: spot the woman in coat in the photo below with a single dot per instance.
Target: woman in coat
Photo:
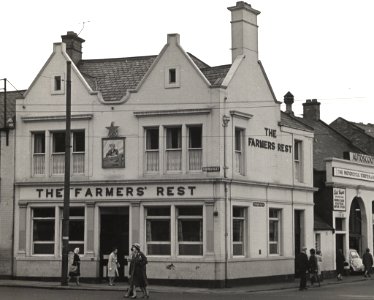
(112, 266)
(340, 259)
(138, 271)
(75, 269)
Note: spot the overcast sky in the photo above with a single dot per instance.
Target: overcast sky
(319, 49)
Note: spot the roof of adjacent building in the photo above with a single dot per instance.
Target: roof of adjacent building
(320, 224)
(327, 142)
(11, 97)
(293, 122)
(116, 76)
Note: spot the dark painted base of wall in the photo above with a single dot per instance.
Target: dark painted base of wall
(214, 284)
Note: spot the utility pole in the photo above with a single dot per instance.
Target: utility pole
(66, 215)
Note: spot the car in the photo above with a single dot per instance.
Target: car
(355, 261)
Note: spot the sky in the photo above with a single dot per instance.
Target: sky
(321, 49)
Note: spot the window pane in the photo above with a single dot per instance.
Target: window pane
(44, 212)
(190, 230)
(273, 249)
(172, 76)
(190, 211)
(190, 249)
(78, 141)
(59, 142)
(273, 213)
(158, 230)
(39, 142)
(238, 230)
(76, 211)
(76, 230)
(152, 139)
(44, 248)
(238, 249)
(297, 149)
(158, 249)
(238, 212)
(44, 230)
(238, 139)
(158, 211)
(195, 138)
(173, 138)
(273, 231)
(57, 83)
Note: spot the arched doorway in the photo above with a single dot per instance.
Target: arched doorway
(357, 225)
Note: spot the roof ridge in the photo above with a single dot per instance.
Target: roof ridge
(117, 58)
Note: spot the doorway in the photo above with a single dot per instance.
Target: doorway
(114, 232)
(299, 235)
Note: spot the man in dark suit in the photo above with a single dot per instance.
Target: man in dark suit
(302, 267)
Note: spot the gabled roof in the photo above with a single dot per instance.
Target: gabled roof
(367, 128)
(114, 77)
(327, 143)
(292, 122)
(11, 97)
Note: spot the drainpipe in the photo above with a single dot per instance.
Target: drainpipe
(225, 122)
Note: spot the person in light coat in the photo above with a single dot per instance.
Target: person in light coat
(112, 266)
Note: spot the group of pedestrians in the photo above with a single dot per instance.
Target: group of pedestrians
(137, 271)
(311, 265)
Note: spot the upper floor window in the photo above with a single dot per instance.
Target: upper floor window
(274, 230)
(58, 152)
(298, 160)
(195, 147)
(172, 75)
(38, 153)
(152, 149)
(239, 151)
(57, 84)
(174, 149)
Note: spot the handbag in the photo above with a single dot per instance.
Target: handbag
(73, 268)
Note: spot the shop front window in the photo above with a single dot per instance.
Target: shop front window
(43, 225)
(190, 230)
(158, 230)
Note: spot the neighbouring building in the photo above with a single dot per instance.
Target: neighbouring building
(344, 175)
(196, 163)
(7, 150)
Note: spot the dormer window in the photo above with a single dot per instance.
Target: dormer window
(57, 83)
(172, 77)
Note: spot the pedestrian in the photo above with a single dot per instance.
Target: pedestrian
(367, 260)
(139, 272)
(319, 264)
(131, 262)
(75, 268)
(302, 267)
(313, 267)
(112, 266)
(340, 259)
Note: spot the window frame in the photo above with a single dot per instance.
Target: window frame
(74, 218)
(51, 242)
(150, 151)
(38, 157)
(243, 221)
(163, 218)
(298, 160)
(239, 152)
(192, 149)
(278, 220)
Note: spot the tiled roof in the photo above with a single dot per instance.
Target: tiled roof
(292, 122)
(11, 97)
(327, 143)
(368, 128)
(114, 77)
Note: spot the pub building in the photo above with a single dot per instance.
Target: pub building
(196, 163)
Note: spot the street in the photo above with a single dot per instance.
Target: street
(357, 290)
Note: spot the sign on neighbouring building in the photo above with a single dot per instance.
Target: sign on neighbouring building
(353, 174)
(339, 199)
(361, 158)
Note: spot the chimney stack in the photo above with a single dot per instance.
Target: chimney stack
(311, 110)
(288, 100)
(244, 30)
(73, 46)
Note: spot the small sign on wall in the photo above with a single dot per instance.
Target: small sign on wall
(339, 199)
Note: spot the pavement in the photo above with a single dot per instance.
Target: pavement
(122, 286)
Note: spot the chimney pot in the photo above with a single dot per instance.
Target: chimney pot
(289, 100)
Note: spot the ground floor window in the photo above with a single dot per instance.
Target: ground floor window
(158, 230)
(43, 230)
(274, 230)
(190, 230)
(238, 226)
